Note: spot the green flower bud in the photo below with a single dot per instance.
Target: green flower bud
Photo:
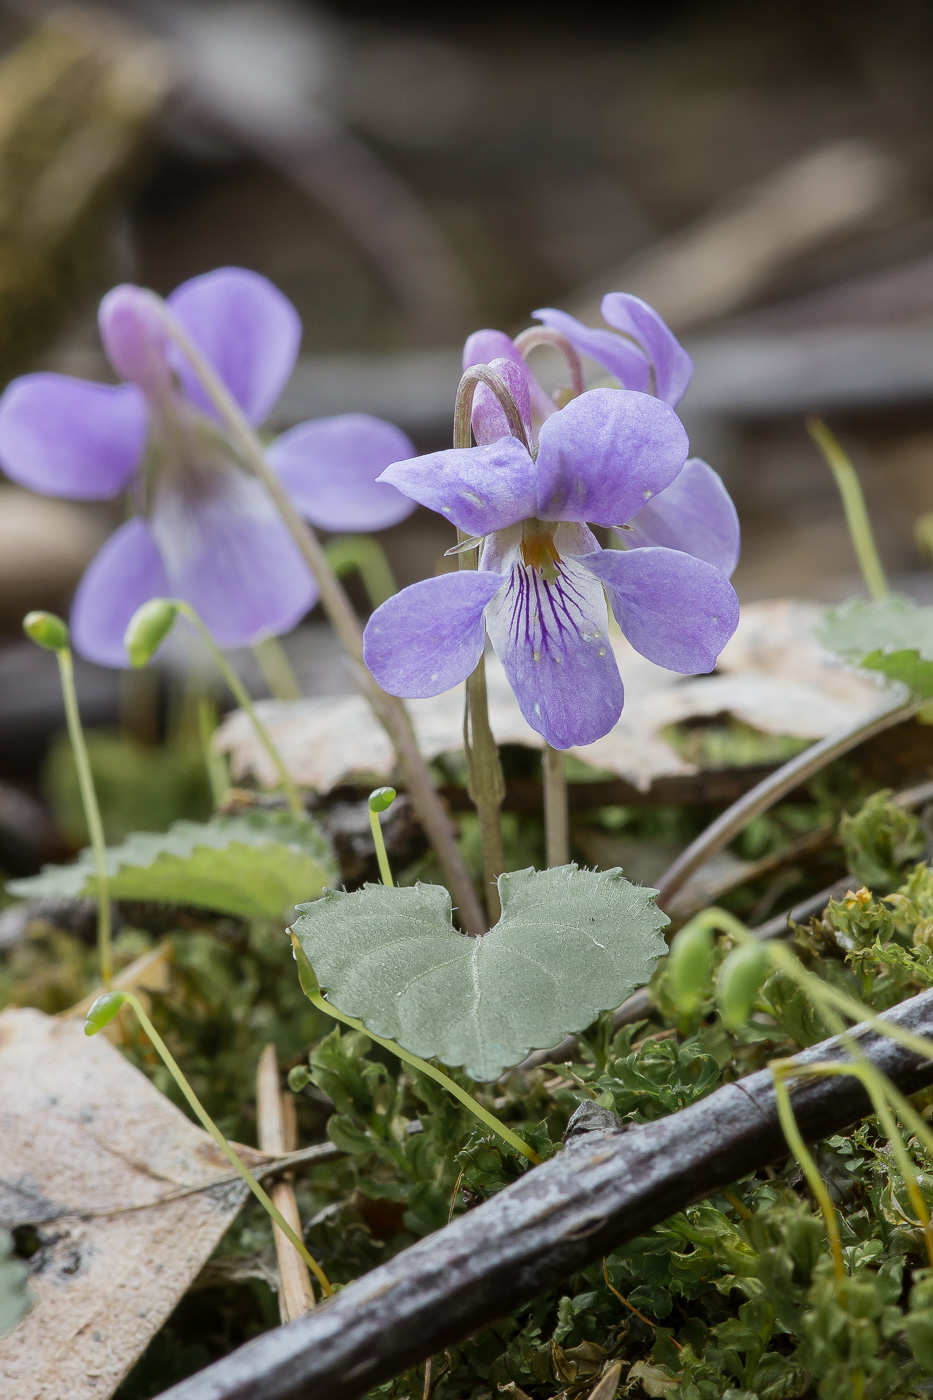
(46, 630)
(149, 626)
(298, 1078)
(689, 965)
(381, 800)
(740, 980)
(103, 1011)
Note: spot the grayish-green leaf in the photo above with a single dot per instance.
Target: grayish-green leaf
(15, 1301)
(258, 865)
(891, 635)
(570, 943)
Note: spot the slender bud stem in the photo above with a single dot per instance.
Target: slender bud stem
(808, 1166)
(314, 994)
(388, 709)
(91, 811)
(380, 801)
(543, 335)
(215, 763)
(463, 410)
(556, 821)
(362, 553)
(171, 1064)
(242, 697)
(853, 503)
(276, 669)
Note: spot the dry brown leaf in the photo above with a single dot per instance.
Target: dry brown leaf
(772, 675)
(82, 1133)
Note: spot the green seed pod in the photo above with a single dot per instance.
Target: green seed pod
(740, 980)
(298, 1078)
(46, 630)
(103, 1011)
(149, 626)
(689, 966)
(381, 800)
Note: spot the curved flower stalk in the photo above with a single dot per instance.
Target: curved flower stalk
(543, 581)
(203, 529)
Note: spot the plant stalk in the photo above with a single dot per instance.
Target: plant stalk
(556, 820)
(91, 812)
(366, 555)
(382, 855)
(810, 1170)
(853, 503)
(276, 669)
(388, 709)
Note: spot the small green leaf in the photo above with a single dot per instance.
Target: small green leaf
(741, 978)
(570, 943)
(103, 1011)
(255, 866)
(891, 635)
(690, 965)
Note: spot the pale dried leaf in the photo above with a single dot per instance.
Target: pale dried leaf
(773, 676)
(82, 1131)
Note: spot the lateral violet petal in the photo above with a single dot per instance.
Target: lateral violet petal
(677, 611)
(126, 573)
(605, 455)
(625, 361)
(552, 641)
(247, 329)
(329, 467)
(480, 489)
(489, 420)
(430, 636)
(228, 553)
(71, 437)
(694, 514)
(673, 367)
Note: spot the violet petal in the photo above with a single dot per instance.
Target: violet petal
(126, 573)
(248, 331)
(330, 467)
(71, 437)
(131, 322)
(430, 636)
(625, 361)
(673, 367)
(552, 641)
(694, 514)
(228, 553)
(480, 489)
(489, 419)
(605, 455)
(677, 611)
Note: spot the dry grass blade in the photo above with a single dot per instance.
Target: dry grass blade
(277, 1135)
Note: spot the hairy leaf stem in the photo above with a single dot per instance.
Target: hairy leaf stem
(242, 697)
(853, 503)
(556, 819)
(111, 1003)
(314, 994)
(777, 785)
(388, 709)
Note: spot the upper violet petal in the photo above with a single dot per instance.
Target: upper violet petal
(676, 610)
(228, 553)
(626, 362)
(694, 514)
(551, 638)
(70, 437)
(430, 636)
(329, 467)
(246, 328)
(480, 489)
(127, 572)
(489, 419)
(605, 455)
(134, 336)
(673, 367)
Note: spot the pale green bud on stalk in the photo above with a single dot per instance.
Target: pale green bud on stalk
(689, 966)
(380, 800)
(298, 1078)
(149, 626)
(741, 978)
(46, 630)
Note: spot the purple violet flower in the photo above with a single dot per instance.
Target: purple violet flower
(204, 529)
(543, 581)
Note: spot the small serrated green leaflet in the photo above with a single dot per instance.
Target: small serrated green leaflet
(891, 635)
(255, 866)
(570, 943)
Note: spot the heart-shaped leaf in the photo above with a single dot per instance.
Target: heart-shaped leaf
(259, 866)
(570, 943)
(891, 635)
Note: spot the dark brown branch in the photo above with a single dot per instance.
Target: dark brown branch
(603, 1189)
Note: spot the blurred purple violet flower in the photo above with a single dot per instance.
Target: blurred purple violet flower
(204, 529)
(542, 584)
